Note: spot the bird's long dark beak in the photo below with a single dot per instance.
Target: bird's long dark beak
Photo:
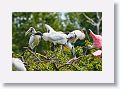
(27, 32)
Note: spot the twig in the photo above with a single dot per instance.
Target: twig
(89, 19)
(68, 65)
(39, 54)
(32, 53)
(98, 15)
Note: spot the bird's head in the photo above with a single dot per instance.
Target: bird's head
(82, 36)
(30, 30)
(82, 33)
(83, 30)
(49, 28)
(92, 35)
(71, 35)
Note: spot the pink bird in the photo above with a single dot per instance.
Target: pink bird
(97, 43)
(98, 53)
(97, 40)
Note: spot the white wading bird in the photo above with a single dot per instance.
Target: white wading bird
(54, 37)
(75, 35)
(72, 38)
(58, 38)
(18, 64)
(34, 38)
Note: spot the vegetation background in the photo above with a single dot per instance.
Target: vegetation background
(60, 21)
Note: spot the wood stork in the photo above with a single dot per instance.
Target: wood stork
(34, 38)
(18, 64)
(73, 37)
(57, 38)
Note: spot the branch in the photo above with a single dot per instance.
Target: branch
(89, 19)
(99, 18)
(35, 54)
(98, 15)
(68, 65)
(94, 24)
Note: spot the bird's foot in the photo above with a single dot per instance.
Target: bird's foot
(72, 60)
(75, 59)
(33, 52)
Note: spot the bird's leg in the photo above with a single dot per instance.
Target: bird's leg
(73, 53)
(61, 49)
(52, 47)
(33, 50)
(55, 48)
(89, 47)
(72, 48)
(86, 51)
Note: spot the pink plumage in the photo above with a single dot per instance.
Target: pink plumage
(97, 53)
(97, 40)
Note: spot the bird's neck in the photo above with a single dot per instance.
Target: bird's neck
(33, 32)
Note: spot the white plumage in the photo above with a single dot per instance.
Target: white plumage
(18, 64)
(57, 38)
(75, 35)
(54, 37)
(51, 30)
(34, 38)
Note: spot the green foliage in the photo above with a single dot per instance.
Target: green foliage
(54, 61)
(57, 61)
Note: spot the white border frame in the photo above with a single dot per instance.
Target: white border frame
(104, 6)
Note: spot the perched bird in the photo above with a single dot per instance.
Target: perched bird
(18, 64)
(97, 43)
(57, 38)
(34, 38)
(74, 36)
(54, 36)
(97, 40)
